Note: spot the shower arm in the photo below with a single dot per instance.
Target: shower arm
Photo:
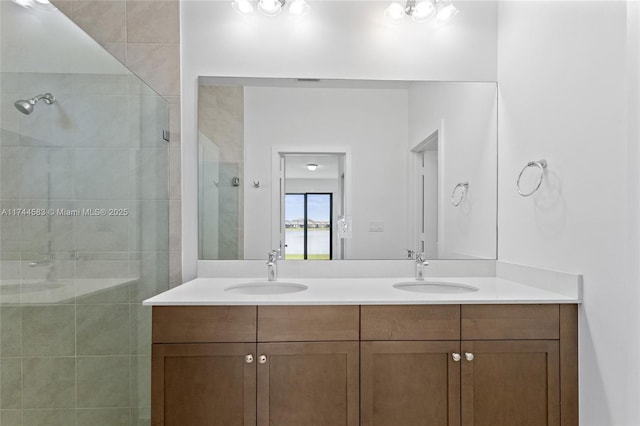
(48, 99)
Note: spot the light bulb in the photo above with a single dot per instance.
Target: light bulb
(423, 11)
(312, 167)
(24, 3)
(270, 7)
(242, 6)
(446, 10)
(298, 8)
(395, 11)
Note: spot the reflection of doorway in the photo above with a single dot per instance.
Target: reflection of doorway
(308, 219)
(316, 181)
(426, 196)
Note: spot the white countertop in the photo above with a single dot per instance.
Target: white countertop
(361, 291)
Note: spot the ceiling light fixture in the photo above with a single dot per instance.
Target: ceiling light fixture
(421, 10)
(446, 10)
(297, 8)
(24, 3)
(312, 167)
(243, 7)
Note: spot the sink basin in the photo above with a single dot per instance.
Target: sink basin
(435, 287)
(266, 287)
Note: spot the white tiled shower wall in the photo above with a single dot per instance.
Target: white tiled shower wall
(144, 36)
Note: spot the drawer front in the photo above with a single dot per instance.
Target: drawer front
(204, 324)
(411, 322)
(510, 322)
(308, 323)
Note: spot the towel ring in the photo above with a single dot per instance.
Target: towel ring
(465, 187)
(541, 164)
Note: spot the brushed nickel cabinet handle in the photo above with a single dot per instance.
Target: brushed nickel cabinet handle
(262, 359)
(469, 356)
(456, 357)
(248, 359)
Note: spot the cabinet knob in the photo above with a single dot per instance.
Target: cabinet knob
(262, 359)
(456, 357)
(248, 359)
(469, 356)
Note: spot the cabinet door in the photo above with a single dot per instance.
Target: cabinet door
(511, 383)
(204, 384)
(308, 383)
(410, 383)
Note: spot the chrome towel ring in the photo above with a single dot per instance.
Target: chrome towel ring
(465, 187)
(541, 164)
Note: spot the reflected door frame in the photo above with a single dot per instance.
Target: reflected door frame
(278, 154)
(416, 210)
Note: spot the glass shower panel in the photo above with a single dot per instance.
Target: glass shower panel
(83, 227)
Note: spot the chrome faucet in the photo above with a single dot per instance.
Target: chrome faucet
(420, 264)
(272, 265)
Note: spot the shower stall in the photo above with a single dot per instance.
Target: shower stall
(83, 226)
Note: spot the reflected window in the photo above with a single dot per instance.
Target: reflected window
(308, 224)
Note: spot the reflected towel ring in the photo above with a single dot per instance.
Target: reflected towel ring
(541, 164)
(256, 184)
(463, 193)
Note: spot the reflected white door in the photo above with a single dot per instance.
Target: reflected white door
(426, 189)
(430, 204)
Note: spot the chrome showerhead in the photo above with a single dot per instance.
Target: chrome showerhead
(26, 106)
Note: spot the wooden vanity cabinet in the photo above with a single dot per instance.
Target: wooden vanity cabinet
(453, 365)
(407, 374)
(480, 365)
(296, 366)
(311, 371)
(203, 384)
(200, 370)
(513, 376)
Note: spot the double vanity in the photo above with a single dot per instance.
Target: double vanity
(479, 350)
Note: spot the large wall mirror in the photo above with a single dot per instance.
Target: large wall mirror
(346, 169)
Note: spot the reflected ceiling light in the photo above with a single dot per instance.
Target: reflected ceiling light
(297, 8)
(24, 3)
(312, 167)
(421, 10)
(39, 4)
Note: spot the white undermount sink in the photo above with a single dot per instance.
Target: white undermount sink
(266, 287)
(435, 287)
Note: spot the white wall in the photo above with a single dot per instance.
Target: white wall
(336, 40)
(465, 116)
(372, 123)
(563, 85)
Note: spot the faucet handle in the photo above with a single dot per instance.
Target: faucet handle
(410, 254)
(274, 255)
(419, 257)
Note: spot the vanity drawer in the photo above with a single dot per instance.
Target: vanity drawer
(308, 323)
(410, 322)
(510, 322)
(204, 324)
